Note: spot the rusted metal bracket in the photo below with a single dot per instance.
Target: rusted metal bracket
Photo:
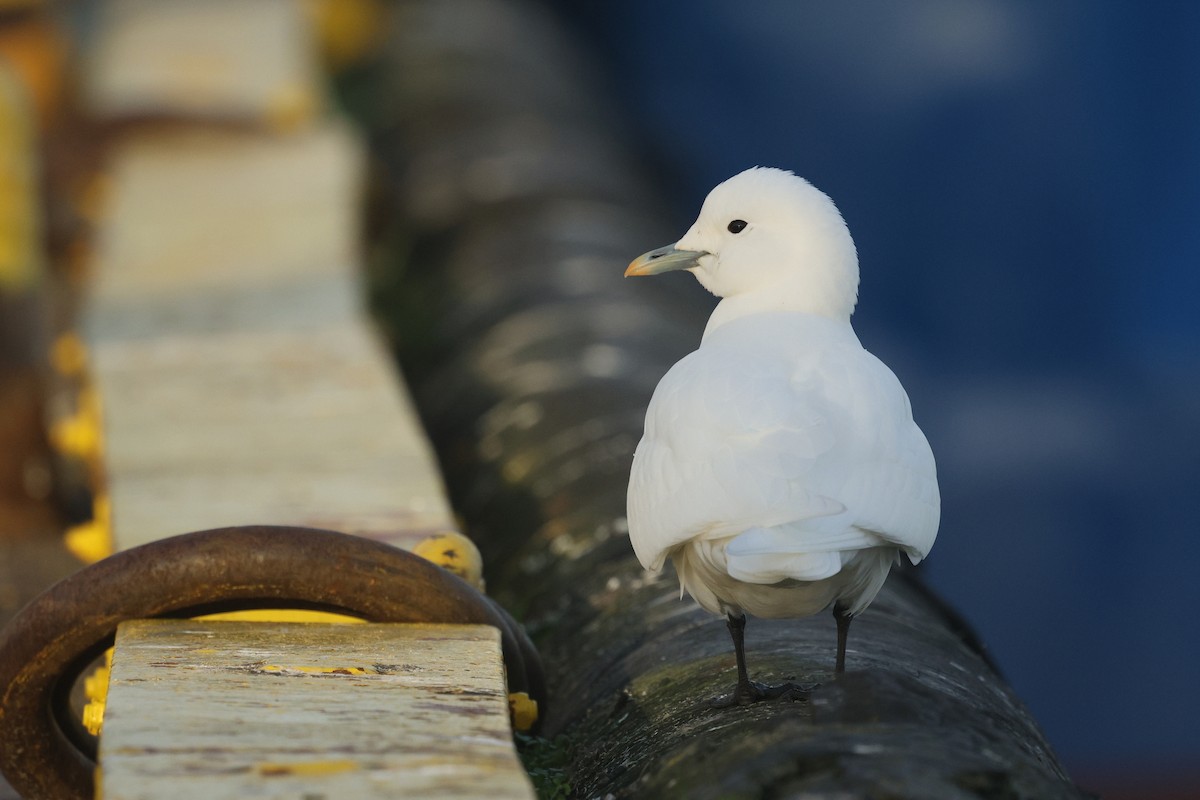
(46, 646)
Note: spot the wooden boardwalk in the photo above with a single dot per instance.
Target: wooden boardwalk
(238, 380)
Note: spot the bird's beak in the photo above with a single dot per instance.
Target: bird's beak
(664, 259)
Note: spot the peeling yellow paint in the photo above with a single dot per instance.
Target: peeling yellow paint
(523, 709)
(81, 434)
(95, 688)
(93, 540)
(281, 615)
(309, 769)
(456, 553)
(283, 670)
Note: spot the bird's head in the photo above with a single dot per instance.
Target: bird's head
(768, 233)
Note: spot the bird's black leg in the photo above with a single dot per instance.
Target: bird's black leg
(737, 631)
(843, 616)
(747, 691)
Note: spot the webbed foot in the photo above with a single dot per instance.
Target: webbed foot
(750, 692)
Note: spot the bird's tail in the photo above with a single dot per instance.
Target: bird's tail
(807, 550)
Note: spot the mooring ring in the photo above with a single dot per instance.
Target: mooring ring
(47, 644)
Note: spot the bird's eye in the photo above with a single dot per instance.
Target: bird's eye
(737, 226)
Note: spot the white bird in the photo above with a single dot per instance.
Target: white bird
(780, 469)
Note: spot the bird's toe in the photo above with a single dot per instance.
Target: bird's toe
(749, 693)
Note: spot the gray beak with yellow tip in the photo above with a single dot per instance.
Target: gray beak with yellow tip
(664, 259)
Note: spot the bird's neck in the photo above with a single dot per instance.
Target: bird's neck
(775, 300)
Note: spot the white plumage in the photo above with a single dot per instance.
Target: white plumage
(780, 470)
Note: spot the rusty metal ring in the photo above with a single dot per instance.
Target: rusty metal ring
(44, 647)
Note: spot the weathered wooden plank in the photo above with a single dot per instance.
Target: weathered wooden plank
(241, 380)
(224, 58)
(304, 428)
(228, 709)
(214, 211)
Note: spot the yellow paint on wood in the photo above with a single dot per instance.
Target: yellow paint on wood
(20, 217)
(95, 689)
(281, 615)
(523, 709)
(93, 540)
(456, 553)
(82, 434)
(349, 30)
(292, 669)
(277, 769)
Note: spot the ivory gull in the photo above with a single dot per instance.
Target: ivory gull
(781, 470)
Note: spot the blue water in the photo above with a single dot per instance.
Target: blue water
(1023, 183)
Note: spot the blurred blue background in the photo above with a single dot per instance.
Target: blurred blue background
(1023, 183)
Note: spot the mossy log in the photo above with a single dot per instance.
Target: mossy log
(532, 361)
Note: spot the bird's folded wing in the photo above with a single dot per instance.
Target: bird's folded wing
(899, 501)
(723, 452)
(768, 436)
(804, 536)
(768, 568)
